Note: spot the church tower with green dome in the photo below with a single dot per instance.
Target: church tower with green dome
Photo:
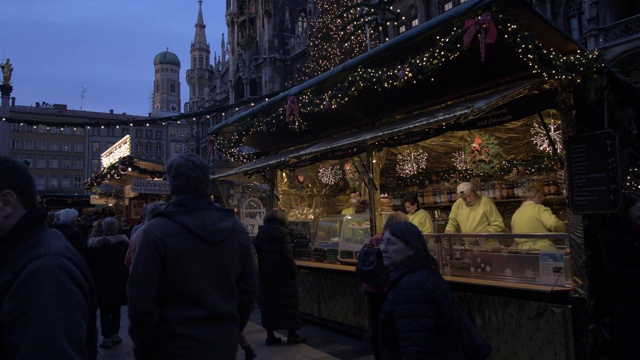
(166, 87)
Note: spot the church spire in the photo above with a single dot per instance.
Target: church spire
(200, 39)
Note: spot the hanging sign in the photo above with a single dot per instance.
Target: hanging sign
(150, 186)
(593, 172)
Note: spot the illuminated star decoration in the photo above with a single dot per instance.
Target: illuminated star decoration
(410, 162)
(329, 175)
(459, 160)
(539, 137)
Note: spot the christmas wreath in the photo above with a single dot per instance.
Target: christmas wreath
(484, 155)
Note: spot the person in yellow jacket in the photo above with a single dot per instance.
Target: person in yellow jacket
(474, 213)
(352, 207)
(417, 216)
(533, 217)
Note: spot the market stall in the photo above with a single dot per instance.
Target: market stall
(433, 112)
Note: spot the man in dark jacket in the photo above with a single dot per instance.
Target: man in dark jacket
(47, 299)
(192, 286)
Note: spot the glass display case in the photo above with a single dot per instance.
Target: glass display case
(355, 233)
(301, 238)
(510, 258)
(338, 238)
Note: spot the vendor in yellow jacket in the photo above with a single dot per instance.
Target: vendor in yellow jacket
(417, 216)
(533, 217)
(474, 213)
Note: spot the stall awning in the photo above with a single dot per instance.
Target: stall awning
(517, 100)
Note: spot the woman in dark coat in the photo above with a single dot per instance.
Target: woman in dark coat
(420, 318)
(105, 256)
(278, 288)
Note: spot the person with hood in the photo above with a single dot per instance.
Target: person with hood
(420, 318)
(277, 272)
(105, 256)
(193, 284)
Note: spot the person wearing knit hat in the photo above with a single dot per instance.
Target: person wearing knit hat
(474, 213)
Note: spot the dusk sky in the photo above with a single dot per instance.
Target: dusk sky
(58, 46)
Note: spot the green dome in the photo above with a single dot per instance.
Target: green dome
(166, 58)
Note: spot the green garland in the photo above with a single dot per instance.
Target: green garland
(118, 169)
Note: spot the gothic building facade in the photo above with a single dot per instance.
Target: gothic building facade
(267, 47)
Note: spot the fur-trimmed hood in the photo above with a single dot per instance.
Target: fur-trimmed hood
(97, 242)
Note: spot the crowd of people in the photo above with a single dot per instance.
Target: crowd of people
(190, 275)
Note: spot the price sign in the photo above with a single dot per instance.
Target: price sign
(593, 172)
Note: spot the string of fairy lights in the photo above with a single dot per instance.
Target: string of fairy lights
(423, 67)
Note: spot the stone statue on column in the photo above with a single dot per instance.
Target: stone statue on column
(7, 70)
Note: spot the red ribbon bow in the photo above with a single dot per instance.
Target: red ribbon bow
(487, 29)
(292, 108)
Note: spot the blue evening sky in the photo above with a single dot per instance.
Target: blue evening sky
(107, 46)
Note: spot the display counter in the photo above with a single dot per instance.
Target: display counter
(514, 309)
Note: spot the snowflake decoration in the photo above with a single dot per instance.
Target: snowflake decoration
(329, 174)
(540, 139)
(409, 162)
(528, 273)
(459, 160)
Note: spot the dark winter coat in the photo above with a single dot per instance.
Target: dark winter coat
(193, 283)
(47, 299)
(105, 256)
(420, 318)
(74, 235)
(621, 256)
(277, 270)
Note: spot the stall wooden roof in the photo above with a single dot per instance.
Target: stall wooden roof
(364, 117)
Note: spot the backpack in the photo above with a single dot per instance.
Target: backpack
(370, 268)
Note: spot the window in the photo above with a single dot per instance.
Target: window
(181, 133)
(95, 131)
(302, 24)
(41, 145)
(66, 163)
(148, 149)
(178, 148)
(41, 163)
(78, 147)
(159, 150)
(172, 132)
(66, 182)
(576, 20)
(112, 131)
(139, 133)
(53, 162)
(402, 28)
(447, 5)
(95, 146)
(109, 145)
(66, 146)
(28, 144)
(55, 146)
(54, 130)
(15, 144)
(173, 88)
(42, 129)
(138, 149)
(415, 22)
(40, 182)
(77, 163)
(77, 183)
(95, 165)
(124, 132)
(53, 181)
(79, 131)
(28, 128)
(158, 134)
(15, 127)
